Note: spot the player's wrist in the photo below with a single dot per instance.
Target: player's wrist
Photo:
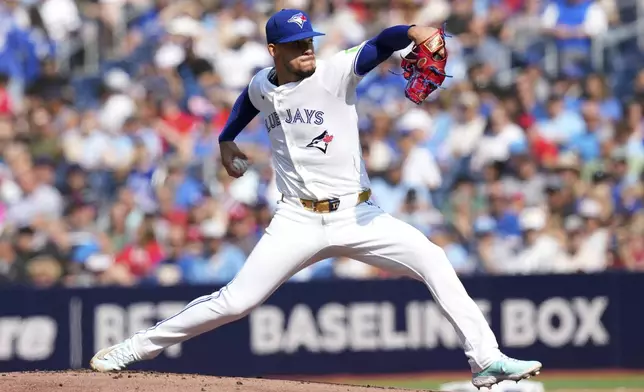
(411, 31)
(420, 34)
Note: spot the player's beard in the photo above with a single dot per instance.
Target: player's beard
(305, 74)
(300, 73)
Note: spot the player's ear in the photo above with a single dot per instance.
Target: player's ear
(271, 49)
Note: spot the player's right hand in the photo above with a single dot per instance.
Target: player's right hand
(228, 152)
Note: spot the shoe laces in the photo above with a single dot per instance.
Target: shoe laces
(122, 355)
(503, 356)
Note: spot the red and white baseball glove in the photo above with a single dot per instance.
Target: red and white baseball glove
(424, 67)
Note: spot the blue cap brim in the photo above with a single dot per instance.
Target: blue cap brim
(297, 37)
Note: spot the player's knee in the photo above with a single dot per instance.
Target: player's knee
(437, 253)
(432, 255)
(241, 307)
(426, 249)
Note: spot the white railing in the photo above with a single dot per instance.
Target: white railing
(89, 39)
(599, 45)
(612, 38)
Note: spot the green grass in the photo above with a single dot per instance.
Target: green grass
(633, 381)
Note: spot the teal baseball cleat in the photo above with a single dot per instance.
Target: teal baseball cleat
(506, 368)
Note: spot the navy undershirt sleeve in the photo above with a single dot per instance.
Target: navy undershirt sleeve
(381, 47)
(242, 114)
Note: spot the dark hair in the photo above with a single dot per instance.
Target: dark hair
(36, 20)
(627, 105)
(604, 86)
(411, 196)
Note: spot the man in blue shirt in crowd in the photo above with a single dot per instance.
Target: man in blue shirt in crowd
(18, 57)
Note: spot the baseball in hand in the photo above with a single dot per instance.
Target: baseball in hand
(240, 165)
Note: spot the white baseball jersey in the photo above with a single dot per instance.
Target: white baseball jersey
(313, 128)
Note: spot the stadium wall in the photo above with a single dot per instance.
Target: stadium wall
(331, 327)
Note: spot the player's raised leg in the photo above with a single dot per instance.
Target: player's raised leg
(279, 254)
(379, 239)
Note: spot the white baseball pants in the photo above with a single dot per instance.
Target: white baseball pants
(297, 238)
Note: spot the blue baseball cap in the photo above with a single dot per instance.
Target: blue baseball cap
(288, 25)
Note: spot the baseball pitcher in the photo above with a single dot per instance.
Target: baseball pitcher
(325, 209)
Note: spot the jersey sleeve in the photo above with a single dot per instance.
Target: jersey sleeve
(254, 88)
(339, 76)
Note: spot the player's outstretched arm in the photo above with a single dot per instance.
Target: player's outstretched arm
(241, 115)
(382, 46)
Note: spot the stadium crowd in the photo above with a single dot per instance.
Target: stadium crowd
(110, 112)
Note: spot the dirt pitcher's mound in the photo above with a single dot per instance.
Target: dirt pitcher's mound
(88, 381)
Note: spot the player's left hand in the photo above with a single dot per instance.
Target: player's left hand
(229, 151)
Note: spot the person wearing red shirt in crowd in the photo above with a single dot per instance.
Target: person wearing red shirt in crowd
(174, 117)
(543, 150)
(175, 125)
(144, 253)
(511, 6)
(5, 99)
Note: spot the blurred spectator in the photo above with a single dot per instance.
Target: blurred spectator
(188, 192)
(218, 262)
(592, 255)
(573, 24)
(6, 106)
(506, 220)
(379, 154)
(142, 254)
(630, 244)
(84, 143)
(241, 228)
(560, 199)
(495, 145)
(242, 55)
(36, 199)
(523, 29)
(418, 213)
(588, 143)
(469, 127)
(419, 168)
(18, 58)
(35, 260)
(388, 190)
(346, 268)
(76, 187)
(44, 271)
(461, 260)
(525, 177)
(596, 90)
(490, 248)
(561, 124)
(480, 47)
(116, 104)
(540, 250)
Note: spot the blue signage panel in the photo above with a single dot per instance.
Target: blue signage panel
(330, 327)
